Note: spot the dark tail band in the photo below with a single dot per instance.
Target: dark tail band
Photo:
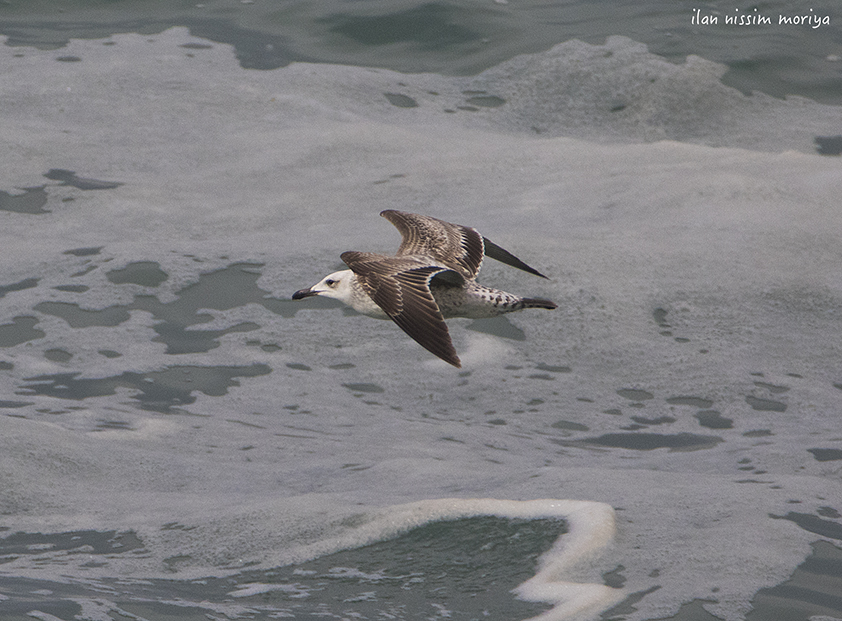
(538, 303)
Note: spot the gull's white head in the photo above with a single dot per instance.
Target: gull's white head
(336, 285)
(343, 287)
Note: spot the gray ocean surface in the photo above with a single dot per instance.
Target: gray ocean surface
(181, 440)
(800, 55)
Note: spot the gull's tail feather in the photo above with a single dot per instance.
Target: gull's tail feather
(538, 303)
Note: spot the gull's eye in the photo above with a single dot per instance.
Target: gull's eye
(330, 282)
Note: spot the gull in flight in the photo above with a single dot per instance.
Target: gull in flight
(431, 278)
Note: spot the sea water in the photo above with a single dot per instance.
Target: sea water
(180, 439)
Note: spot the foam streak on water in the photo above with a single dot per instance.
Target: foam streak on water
(179, 435)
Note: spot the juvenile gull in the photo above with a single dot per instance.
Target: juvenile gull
(431, 278)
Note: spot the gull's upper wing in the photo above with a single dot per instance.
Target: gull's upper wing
(458, 247)
(461, 248)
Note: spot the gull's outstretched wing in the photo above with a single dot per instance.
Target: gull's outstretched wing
(458, 247)
(401, 287)
(461, 248)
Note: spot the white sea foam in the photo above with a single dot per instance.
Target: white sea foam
(345, 442)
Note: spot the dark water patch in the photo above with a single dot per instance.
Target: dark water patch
(661, 420)
(461, 569)
(614, 578)
(388, 179)
(553, 368)
(267, 347)
(230, 287)
(84, 252)
(105, 425)
(58, 355)
(813, 590)
(627, 606)
(758, 433)
(341, 366)
(500, 327)
(364, 387)
(68, 177)
(813, 523)
(181, 340)
(613, 412)
(26, 283)
(650, 441)
(774, 389)
(145, 273)
(84, 271)
(297, 366)
(713, 420)
(826, 454)
(660, 317)
(401, 101)
(765, 405)
(156, 391)
(69, 59)
(196, 46)
(486, 101)
(71, 288)
(11, 405)
(431, 25)
(693, 611)
(633, 394)
(828, 145)
(696, 402)
(464, 566)
(94, 542)
(109, 353)
(31, 201)
(828, 512)
(617, 104)
(77, 317)
(21, 330)
(6, 366)
(223, 289)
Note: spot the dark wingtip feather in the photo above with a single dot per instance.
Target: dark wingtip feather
(504, 256)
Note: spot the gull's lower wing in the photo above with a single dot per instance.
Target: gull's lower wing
(401, 287)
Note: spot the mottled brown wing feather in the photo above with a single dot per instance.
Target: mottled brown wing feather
(458, 247)
(401, 287)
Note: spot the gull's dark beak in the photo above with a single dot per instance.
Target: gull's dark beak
(303, 293)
